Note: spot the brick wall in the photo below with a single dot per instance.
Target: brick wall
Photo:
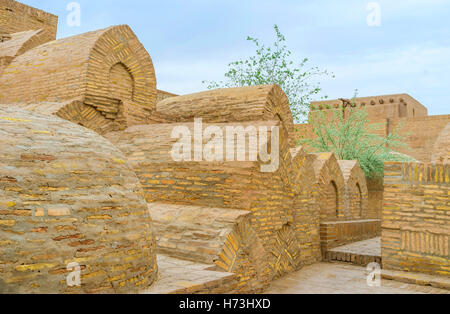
(269, 197)
(229, 184)
(336, 233)
(161, 95)
(441, 149)
(17, 17)
(422, 134)
(67, 195)
(306, 214)
(375, 190)
(416, 218)
(219, 236)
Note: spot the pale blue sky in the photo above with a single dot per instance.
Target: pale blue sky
(194, 40)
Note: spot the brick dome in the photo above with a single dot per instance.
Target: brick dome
(105, 78)
(68, 196)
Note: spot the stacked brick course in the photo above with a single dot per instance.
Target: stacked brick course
(240, 104)
(226, 184)
(219, 236)
(19, 43)
(106, 77)
(16, 17)
(67, 195)
(330, 186)
(416, 220)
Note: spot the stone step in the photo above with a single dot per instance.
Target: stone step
(178, 276)
(359, 253)
(417, 278)
(353, 258)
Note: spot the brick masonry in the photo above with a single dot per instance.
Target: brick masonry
(228, 185)
(213, 236)
(240, 104)
(441, 149)
(17, 17)
(330, 186)
(356, 194)
(67, 195)
(106, 77)
(416, 218)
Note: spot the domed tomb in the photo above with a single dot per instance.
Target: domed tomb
(71, 211)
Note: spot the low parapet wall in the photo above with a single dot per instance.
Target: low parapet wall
(416, 218)
(338, 233)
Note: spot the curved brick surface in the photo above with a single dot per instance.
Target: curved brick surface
(240, 104)
(108, 70)
(441, 151)
(219, 236)
(356, 200)
(19, 43)
(67, 195)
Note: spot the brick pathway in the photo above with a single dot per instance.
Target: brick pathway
(336, 278)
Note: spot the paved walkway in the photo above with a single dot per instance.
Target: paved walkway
(336, 278)
(371, 247)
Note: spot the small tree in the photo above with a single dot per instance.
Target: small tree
(350, 136)
(272, 65)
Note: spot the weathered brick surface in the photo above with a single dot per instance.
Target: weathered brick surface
(306, 209)
(441, 150)
(17, 17)
(240, 104)
(416, 218)
(108, 70)
(67, 195)
(161, 95)
(356, 193)
(422, 132)
(421, 135)
(269, 197)
(336, 233)
(17, 44)
(219, 236)
(375, 188)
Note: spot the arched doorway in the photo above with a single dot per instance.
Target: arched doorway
(121, 82)
(358, 209)
(332, 201)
